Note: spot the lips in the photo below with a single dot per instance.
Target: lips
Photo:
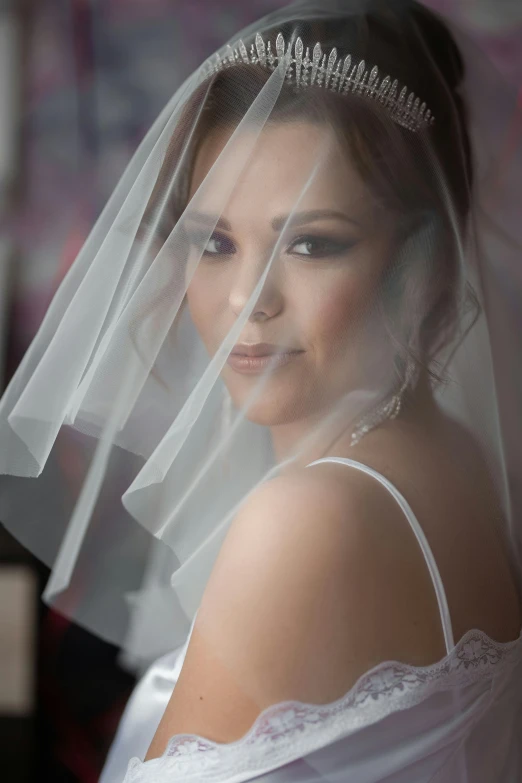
(261, 349)
(258, 357)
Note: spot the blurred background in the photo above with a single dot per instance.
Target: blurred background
(80, 83)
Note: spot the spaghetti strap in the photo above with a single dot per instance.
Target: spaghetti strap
(419, 534)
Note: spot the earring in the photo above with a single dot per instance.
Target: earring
(386, 410)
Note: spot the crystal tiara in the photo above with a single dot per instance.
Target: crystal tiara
(337, 74)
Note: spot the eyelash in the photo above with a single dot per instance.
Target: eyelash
(334, 247)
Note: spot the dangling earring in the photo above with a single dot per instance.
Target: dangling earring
(386, 410)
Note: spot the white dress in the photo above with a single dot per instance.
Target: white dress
(456, 721)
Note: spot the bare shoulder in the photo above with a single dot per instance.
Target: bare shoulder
(337, 581)
(318, 535)
(310, 590)
(327, 503)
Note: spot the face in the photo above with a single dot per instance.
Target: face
(299, 206)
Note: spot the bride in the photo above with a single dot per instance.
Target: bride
(294, 310)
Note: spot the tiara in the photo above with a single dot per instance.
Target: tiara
(337, 74)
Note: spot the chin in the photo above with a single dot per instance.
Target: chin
(274, 406)
(267, 415)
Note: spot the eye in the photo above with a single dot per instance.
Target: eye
(219, 245)
(320, 247)
(216, 245)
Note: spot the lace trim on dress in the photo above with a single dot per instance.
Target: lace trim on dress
(289, 730)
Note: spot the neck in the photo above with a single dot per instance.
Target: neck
(312, 438)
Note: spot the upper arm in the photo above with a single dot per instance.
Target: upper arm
(291, 609)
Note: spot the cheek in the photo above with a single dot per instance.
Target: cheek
(208, 302)
(331, 317)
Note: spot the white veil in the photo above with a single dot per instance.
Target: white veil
(169, 441)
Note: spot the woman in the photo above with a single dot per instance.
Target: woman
(291, 309)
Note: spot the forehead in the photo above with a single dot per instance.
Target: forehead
(288, 166)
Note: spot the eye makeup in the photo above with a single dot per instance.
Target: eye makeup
(313, 245)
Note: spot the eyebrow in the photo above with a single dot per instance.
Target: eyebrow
(209, 220)
(300, 218)
(279, 222)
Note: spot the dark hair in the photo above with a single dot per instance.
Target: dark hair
(423, 178)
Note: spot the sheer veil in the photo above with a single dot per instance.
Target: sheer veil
(202, 247)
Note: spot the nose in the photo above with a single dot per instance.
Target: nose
(270, 300)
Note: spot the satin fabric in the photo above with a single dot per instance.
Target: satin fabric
(143, 713)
